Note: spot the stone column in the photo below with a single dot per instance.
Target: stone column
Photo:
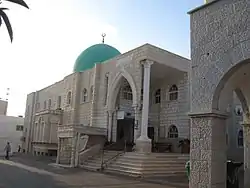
(143, 143)
(77, 149)
(58, 151)
(114, 127)
(137, 122)
(73, 151)
(110, 123)
(246, 154)
(208, 150)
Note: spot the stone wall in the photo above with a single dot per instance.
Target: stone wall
(65, 150)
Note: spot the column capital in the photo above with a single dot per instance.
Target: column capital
(147, 63)
(214, 113)
(110, 112)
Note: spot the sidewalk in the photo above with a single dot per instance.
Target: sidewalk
(77, 178)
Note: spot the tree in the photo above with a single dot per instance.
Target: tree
(4, 18)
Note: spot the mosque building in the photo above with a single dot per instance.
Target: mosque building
(132, 100)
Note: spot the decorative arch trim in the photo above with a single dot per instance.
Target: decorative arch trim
(231, 70)
(112, 91)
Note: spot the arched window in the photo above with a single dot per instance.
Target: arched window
(106, 85)
(37, 106)
(91, 93)
(240, 138)
(49, 104)
(158, 96)
(84, 95)
(69, 97)
(59, 101)
(238, 110)
(173, 132)
(44, 105)
(173, 93)
(127, 93)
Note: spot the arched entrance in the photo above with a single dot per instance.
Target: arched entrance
(220, 65)
(122, 111)
(208, 130)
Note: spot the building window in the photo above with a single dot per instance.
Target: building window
(19, 128)
(59, 101)
(37, 106)
(240, 138)
(141, 94)
(127, 93)
(49, 103)
(238, 110)
(69, 96)
(173, 132)
(91, 93)
(44, 105)
(173, 93)
(106, 84)
(84, 95)
(158, 96)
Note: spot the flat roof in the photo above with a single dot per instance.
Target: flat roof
(202, 6)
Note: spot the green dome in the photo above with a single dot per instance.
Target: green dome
(94, 54)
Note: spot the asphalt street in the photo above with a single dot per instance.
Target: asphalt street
(16, 177)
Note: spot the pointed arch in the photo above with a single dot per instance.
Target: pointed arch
(112, 91)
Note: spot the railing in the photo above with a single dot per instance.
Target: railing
(104, 163)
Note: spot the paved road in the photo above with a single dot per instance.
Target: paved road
(15, 177)
(15, 174)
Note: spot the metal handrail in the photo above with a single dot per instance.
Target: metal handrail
(104, 163)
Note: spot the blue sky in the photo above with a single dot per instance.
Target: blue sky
(49, 37)
(163, 23)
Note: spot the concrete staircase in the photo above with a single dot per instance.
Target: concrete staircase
(149, 165)
(95, 163)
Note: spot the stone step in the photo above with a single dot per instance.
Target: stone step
(132, 173)
(136, 161)
(148, 160)
(148, 169)
(159, 155)
(148, 165)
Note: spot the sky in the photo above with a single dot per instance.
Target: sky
(52, 33)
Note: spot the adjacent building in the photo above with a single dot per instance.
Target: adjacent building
(11, 130)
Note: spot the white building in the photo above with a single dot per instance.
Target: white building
(11, 130)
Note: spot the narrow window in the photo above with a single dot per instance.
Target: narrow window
(59, 100)
(173, 93)
(44, 105)
(69, 96)
(240, 139)
(173, 132)
(49, 103)
(158, 96)
(84, 95)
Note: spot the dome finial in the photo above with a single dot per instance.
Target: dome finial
(103, 36)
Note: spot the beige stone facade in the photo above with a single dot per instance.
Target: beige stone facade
(93, 99)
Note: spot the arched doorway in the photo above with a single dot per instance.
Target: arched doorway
(208, 130)
(121, 105)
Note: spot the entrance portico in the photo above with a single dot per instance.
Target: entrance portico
(147, 110)
(220, 64)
